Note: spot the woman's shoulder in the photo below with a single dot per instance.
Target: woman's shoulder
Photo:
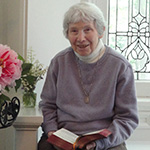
(63, 57)
(63, 53)
(116, 55)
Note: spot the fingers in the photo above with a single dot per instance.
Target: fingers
(50, 133)
(90, 146)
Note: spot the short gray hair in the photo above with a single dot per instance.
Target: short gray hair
(86, 12)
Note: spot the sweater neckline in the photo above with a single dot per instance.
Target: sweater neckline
(94, 63)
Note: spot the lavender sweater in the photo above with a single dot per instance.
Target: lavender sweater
(112, 105)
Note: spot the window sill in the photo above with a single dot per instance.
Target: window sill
(142, 89)
(143, 103)
(144, 112)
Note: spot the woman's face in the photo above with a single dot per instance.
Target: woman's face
(83, 37)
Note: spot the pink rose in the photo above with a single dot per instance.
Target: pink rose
(10, 67)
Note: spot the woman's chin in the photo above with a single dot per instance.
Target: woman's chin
(83, 52)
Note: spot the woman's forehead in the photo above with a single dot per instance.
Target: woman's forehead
(82, 24)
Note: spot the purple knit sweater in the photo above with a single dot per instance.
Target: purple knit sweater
(112, 105)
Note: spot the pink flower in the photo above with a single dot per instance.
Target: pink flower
(10, 67)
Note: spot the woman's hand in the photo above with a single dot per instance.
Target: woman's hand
(90, 146)
(50, 133)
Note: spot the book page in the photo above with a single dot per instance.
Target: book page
(66, 135)
(94, 132)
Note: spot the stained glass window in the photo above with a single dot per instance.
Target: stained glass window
(129, 33)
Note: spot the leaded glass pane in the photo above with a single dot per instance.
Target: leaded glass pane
(129, 33)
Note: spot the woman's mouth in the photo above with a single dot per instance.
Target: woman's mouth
(83, 46)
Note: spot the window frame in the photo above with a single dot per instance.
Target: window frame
(142, 87)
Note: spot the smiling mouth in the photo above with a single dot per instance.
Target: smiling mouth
(83, 46)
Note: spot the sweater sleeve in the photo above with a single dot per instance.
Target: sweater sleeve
(48, 103)
(125, 119)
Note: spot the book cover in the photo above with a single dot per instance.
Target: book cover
(67, 140)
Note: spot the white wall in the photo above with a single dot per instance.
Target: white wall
(45, 27)
(45, 32)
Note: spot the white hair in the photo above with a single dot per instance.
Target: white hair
(85, 12)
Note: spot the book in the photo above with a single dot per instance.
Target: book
(67, 140)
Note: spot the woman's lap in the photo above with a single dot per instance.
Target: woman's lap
(119, 147)
(44, 145)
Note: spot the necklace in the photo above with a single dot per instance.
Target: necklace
(86, 94)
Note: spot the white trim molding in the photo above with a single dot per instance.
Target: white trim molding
(24, 6)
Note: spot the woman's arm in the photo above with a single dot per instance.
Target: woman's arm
(125, 119)
(48, 103)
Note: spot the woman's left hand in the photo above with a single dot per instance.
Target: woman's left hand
(90, 146)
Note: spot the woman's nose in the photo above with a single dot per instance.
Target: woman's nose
(81, 36)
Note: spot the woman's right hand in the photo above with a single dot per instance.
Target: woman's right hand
(90, 146)
(50, 133)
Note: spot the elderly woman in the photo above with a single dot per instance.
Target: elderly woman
(89, 86)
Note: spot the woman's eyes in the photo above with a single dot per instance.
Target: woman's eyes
(87, 29)
(75, 31)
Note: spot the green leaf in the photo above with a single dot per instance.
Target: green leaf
(26, 68)
(31, 79)
(3, 98)
(18, 84)
(7, 88)
(21, 58)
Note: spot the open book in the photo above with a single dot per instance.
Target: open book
(67, 140)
